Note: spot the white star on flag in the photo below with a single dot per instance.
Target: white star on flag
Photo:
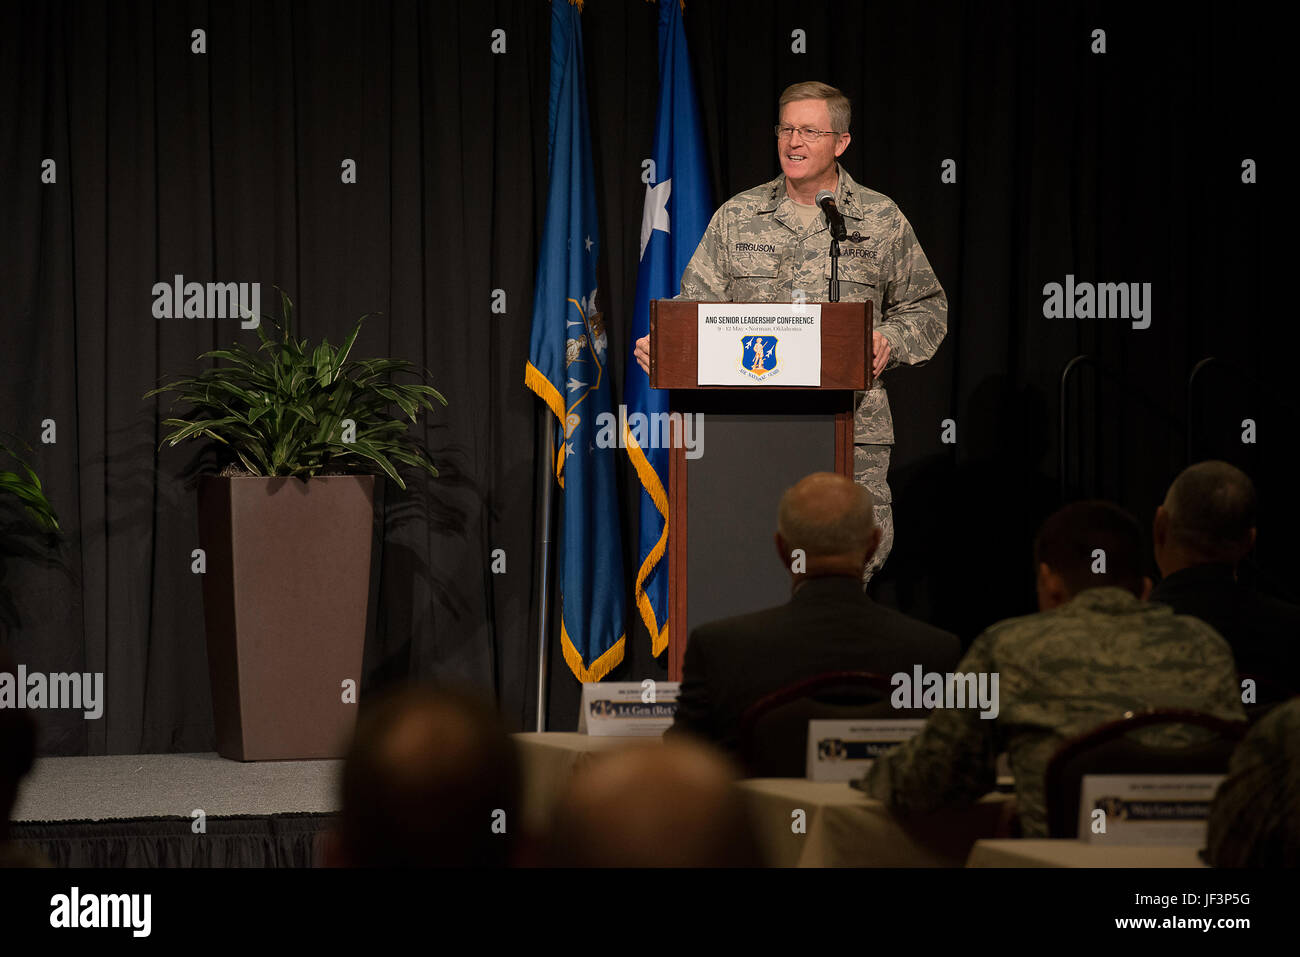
(568, 449)
(655, 213)
(575, 384)
(588, 244)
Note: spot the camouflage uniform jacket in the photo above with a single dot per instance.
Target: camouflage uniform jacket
(1255, 815)
(755, 250)
(1061, 673)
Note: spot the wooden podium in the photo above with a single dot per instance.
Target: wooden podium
(758, 441)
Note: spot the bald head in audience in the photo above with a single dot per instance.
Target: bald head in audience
(1208, 517)
(431, 779)
(669, 805)
(825, 526)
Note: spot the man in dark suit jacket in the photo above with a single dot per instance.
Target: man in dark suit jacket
(1204, 529)
(825, 536)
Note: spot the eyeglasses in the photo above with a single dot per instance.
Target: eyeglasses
(805, 133)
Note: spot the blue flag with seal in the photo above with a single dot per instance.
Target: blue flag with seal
(567, 369)
(676, 213)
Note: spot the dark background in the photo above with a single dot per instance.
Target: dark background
(1122, 167)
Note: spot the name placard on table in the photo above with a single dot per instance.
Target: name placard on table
(842, 750)
(628, 708)
(1148, 809)
(745, 343)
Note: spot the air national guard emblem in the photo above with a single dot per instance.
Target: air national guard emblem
(758, 356)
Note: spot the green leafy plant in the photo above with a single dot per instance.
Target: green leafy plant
(29, 528)
(282, 409)
(26, 487)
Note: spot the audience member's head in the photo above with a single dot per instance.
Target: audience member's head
(425, 783)
(1208, 517)
(825, 526)
(1087, 545)
(669, 805)
(1255, 815)
(17, 749)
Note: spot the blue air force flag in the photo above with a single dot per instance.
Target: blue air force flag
(677, 211)
(567, 368)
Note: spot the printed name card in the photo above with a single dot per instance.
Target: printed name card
(745, 343)
(1146, 809)
(628, 708)
(842, 750)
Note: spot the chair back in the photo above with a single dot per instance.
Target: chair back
(1109, 749)
(774, 730)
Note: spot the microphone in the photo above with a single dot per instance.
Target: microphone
(826, 200)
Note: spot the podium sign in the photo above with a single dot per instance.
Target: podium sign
(760, 344)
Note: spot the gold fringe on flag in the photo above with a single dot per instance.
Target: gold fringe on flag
(602, 666)
(655, 489)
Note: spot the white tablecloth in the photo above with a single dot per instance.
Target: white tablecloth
(548, 760)
(1072, 853)
(842, 827)
(845, 828)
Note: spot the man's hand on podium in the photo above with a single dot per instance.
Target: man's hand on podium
(642, 353)
(879, 352)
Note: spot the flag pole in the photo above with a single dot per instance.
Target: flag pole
(544, 582)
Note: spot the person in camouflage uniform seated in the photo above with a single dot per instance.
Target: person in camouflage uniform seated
(1095, 650)
(1255, 815)
(772, 244)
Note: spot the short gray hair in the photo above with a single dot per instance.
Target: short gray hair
(840, 109)
(826, 532)
(1211, 507)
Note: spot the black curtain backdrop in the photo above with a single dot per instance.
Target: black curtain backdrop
(1124, 166)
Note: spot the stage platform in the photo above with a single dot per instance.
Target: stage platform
(137, 810)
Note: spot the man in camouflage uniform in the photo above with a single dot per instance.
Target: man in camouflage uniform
(1255, 815)
(1096, 650)
(772, 244)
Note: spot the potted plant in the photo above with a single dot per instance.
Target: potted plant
(286, 531)
(28, 526)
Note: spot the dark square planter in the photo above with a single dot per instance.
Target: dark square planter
(284, 604)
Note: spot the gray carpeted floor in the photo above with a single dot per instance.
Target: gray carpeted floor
(168, 785)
